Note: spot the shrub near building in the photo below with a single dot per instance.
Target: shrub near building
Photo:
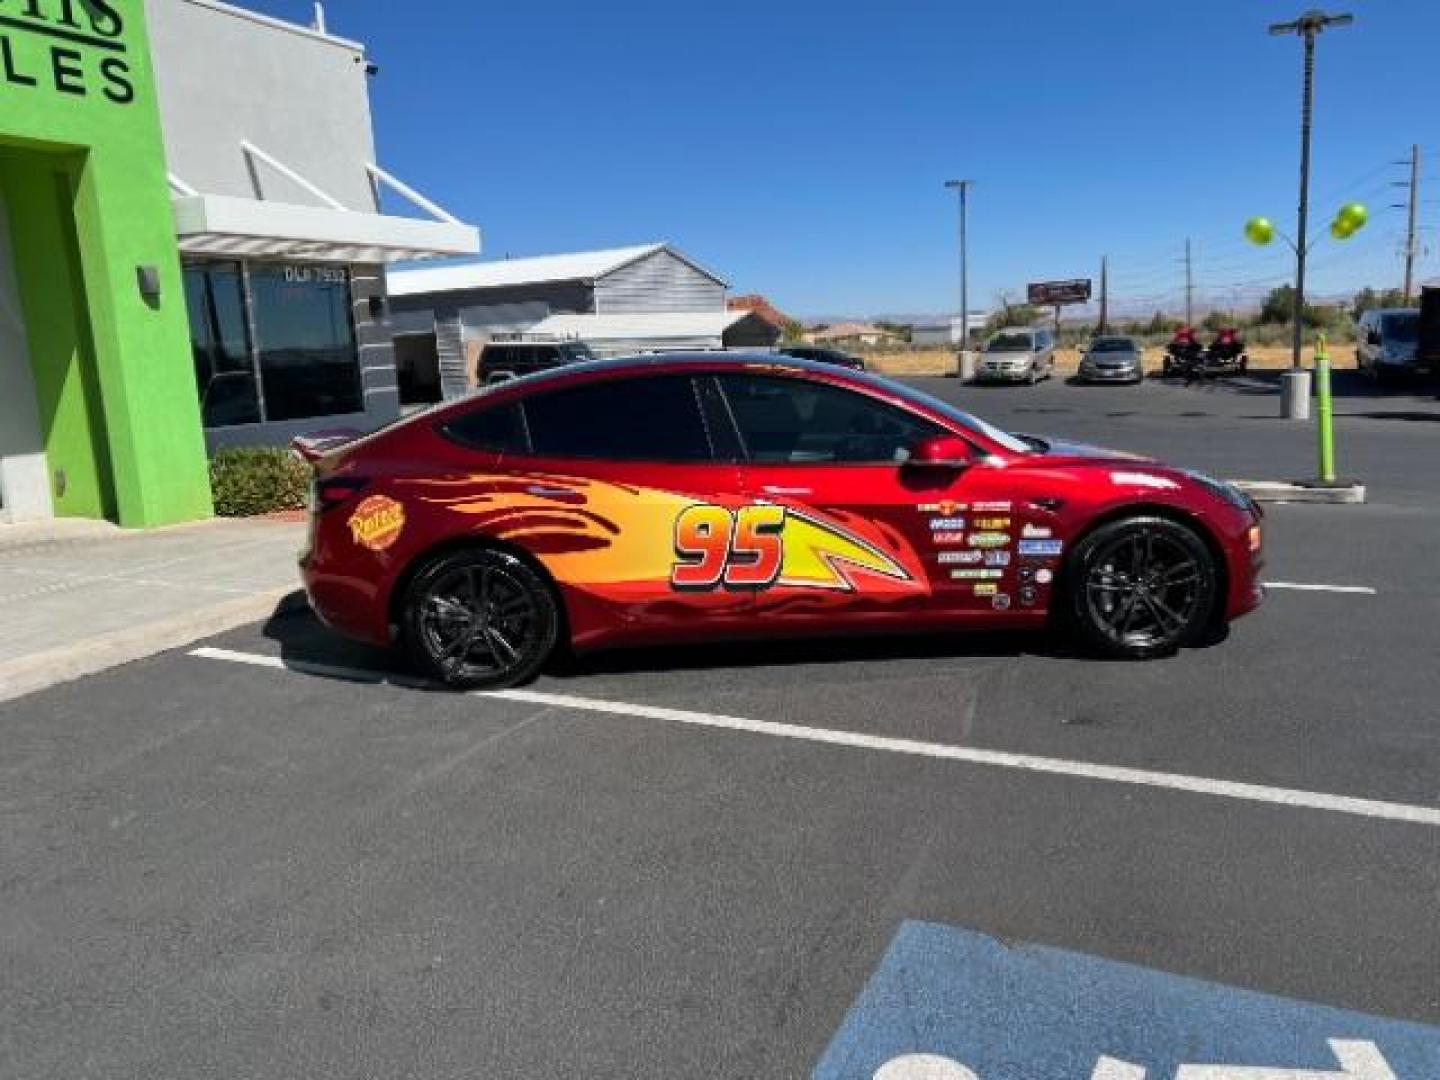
(257, 480)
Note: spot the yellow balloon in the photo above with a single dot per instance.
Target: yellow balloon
(1341, 229)
(1354, 214)
(1258, 230)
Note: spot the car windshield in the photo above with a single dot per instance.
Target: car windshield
(1402, 326)
(960, 417)
(578, 351)
(1113, 345)
(1011, 343)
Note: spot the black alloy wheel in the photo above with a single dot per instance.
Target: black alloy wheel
(479, 619)
(1142, 587)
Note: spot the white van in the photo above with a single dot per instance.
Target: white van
(1018, 354)
(1387, 342)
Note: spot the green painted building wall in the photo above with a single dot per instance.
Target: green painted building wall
(82, 168)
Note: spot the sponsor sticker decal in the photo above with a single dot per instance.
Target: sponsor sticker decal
(1044, 577)
(948, 537)
(1002, 507)
(1000, 602)
(946, 524)
(986, 588)
(962, 558)
(948, 509)
(991, 523)
(1047, 548)
(377, 522)
(1027, 595)
(997, 558)
(989, 539)
(976, 575)
(1036, 532)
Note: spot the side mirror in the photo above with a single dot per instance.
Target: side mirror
(940, 452)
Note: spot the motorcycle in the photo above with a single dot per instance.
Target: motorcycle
(1185, 358)
(1227, 354)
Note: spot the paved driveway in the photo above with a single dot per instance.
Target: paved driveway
(278, 858)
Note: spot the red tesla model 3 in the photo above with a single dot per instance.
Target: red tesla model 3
(707, 496)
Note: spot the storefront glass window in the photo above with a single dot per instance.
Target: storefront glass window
(224, 372)
(305, 340)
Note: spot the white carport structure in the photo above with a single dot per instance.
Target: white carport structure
(620, 333)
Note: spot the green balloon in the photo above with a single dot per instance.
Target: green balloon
(1341, 229)
(1258, 230)
(1354, 214)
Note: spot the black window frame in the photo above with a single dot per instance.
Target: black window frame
(356, 372)
(211, 346)
(449, 429)
(746, 458)
(255, 348)
(533, 451)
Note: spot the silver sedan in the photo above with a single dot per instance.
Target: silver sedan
(1113, 359)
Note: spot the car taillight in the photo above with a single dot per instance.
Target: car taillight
(333, 491)
(1253, 538)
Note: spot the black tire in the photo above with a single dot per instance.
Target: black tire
(1141, 587)
(479, 619)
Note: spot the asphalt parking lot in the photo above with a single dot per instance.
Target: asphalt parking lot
(277, 859)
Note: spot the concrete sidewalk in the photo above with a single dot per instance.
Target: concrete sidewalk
(81, 596)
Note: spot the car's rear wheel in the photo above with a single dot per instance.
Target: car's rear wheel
(1141, 587)
(479, 619)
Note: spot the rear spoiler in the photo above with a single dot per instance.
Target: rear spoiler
(311, 448)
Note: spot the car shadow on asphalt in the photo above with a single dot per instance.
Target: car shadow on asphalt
(309, 647)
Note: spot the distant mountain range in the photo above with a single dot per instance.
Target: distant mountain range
(1119, 309)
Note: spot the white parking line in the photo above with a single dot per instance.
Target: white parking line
(1297, 586)
(1198, 785)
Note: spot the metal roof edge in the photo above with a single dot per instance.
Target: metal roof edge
(278, 24)
(655, 249)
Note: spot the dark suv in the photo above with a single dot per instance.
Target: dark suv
(501, 360)
(822, 356)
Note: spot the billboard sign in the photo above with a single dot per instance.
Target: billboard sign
(1055, 293)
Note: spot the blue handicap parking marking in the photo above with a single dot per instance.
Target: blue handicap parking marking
(949, 1004)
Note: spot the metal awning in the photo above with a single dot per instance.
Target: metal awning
(236, 227)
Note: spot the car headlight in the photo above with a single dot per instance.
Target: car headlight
(1229, 492)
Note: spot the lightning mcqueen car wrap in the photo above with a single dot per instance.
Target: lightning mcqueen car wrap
(673, 497)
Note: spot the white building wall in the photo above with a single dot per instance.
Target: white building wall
(658, 282)
(224, 75)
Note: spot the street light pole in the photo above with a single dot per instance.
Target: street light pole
(963, 187)
(1308, 26)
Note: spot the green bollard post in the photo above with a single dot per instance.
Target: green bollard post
(1324, 413)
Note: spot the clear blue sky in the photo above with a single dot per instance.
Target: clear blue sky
(799, 147)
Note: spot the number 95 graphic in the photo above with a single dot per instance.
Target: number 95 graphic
(737, 549)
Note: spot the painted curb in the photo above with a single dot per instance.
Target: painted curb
(39, 671)
(1283, 491)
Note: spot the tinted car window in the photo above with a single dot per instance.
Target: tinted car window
(656, 419)
(798, 421)
(497, 428)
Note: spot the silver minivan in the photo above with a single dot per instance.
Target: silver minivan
(1387, 343)
(1018, 354)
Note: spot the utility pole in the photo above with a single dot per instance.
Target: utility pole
(1104, 294)
(1189, 286)
(963, 188)
(1308, 26)
(1410, 228)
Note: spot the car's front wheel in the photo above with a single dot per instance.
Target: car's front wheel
(1141, 587)
(479, 619)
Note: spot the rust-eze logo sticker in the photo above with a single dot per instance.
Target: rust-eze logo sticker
(377, 522)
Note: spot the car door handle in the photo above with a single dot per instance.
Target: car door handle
(776, 489)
